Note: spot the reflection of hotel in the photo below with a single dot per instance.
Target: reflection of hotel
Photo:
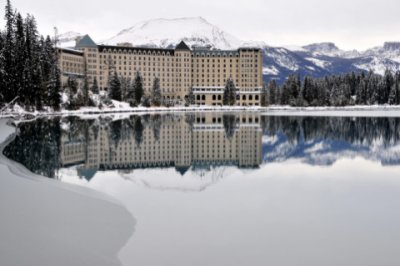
(178, 145)
(179, 69)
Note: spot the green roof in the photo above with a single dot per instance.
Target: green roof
(86, 42)
(182, 46)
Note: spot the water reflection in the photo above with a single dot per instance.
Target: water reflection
(291, 190)
(199, 142)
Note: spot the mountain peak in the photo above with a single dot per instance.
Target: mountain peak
(391, 46)
(166, 33)
(321, 47)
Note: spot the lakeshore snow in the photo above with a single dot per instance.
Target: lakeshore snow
(46, 222)
(125, 109)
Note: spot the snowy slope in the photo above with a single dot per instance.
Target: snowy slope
(169, 32)
(68, 39)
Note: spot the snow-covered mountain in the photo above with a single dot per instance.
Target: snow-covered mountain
(320, 59)
(68, 39)
(317, 59)
(168, 32)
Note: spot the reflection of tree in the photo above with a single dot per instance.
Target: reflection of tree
(156, 124)
(190, 119)
(37, 146)
(360, 130)
(229, 122)
(138, 127)
(115, 132)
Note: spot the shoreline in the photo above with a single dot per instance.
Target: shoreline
(356, 110)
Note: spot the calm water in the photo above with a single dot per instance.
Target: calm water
(230, 189)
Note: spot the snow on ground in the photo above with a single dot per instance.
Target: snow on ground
(270, 70)
(348, 111)
(318, 62)
(123, 109)
(46, 222)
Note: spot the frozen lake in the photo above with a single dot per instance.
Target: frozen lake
(228, 188)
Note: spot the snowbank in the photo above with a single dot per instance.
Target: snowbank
(46, 222)
(121, 107)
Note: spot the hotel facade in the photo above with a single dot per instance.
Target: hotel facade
(180, 70)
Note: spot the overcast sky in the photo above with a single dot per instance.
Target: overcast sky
(351, 24)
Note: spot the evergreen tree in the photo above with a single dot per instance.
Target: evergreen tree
(388, 82)
(189, 100)
(9, 54)
(114, 86)
(26, 62)
(361, 91)
(35, 79)
(55, 89)
(394, 95)
(156, 93)
(138, 87)
(273, 92)
(308, 92)
(293, 86)
(51, 76)
(285, 95)
(130, 91)
(95, 87)
(2, 70)
(85, 91)
(265, 96)
(229, 97)
(20, 57)
(72, 85)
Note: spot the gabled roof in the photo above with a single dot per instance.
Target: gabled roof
(182, 46)
(86, 42)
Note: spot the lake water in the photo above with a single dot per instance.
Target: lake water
(234, 189)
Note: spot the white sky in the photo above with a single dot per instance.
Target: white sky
(351, 24)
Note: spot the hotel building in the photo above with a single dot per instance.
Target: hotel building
(200, 69)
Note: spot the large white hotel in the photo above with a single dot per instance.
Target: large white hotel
(201, 69)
